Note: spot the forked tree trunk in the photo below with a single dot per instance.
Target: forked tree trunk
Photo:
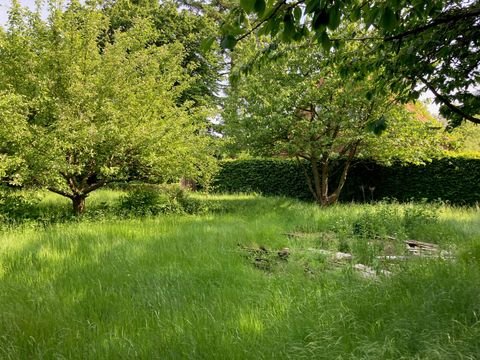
(77, 193)
(319, 187)
(78, 203)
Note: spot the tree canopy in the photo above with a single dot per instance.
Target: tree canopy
(97, 111)
(175, 24)
(424, 45)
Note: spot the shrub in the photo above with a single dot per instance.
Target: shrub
(144, 200)
(17, 206)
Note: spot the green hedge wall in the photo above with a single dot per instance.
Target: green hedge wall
(456, 180)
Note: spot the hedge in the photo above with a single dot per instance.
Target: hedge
(456, 180)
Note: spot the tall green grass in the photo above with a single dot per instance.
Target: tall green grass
(180, 286)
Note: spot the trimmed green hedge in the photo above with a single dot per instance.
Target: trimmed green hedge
(456, 180)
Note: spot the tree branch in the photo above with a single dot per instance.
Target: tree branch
(60, 192)
(270, 16)
(447, 102)
(447, 18)
(307, 176)
(95, 186)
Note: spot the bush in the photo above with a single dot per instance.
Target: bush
(452, 179)
(380, 221)
(17, 206)
(144, 200)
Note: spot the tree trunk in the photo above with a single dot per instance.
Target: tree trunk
(78, 203)
(317, 181)
(325, 176)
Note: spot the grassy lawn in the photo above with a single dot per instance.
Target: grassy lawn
(212, 286)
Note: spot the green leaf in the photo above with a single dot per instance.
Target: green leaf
(248, 5)
(371, 16)
(355, 14)
(297, 14)
(207, 43)
(320, 19)
(378, 126)
(312, 6)
(288, 27)
(388, 20)
(228, 42)
(259, 7)
(325, 41)
(333, 18)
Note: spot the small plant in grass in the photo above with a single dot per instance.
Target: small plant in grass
(144, 200)
(16, 206)
(379, 221)
(420, 215)
(344, 246)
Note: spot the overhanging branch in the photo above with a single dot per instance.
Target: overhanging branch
(445, 19)
(448, 103)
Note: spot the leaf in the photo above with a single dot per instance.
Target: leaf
(371, 16)
(378, 126)
(288, 27)
(297, 14)
(388, 20)
(228, 42)
(355, 14)
(333, 18)
(325, 41)
(312, 6)
(320, 19)
(248, 5)
(207, 43)
(259, 7)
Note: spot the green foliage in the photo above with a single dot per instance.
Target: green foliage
(468, 137)
(380, 221)
(268, 177)
(15, 138)
(176, 24)
(387, 218)
(423, 45)
(16, 207)
(410, 135)
(147, 200)
(100, 111)
(450, 179)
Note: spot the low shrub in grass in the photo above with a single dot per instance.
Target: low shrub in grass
(146, 199)
(381, 229)
(388, 218)
(17, 206)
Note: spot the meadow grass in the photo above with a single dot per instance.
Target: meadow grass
(183, 286)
